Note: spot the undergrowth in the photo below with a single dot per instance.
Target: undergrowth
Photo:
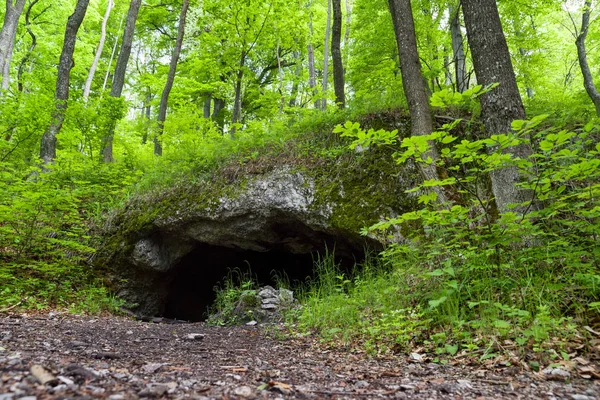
(463, 279)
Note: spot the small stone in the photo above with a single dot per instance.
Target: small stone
(361, 384)
(268, 306)
(116, 397)
(65, 380)
(464, 383)
(151, 368)
(243, 391)
(195, 336)
(251, 323)
(7, 396)
(28, 398)
(271, 300)
(556, 374)
(581, 397)
(407, 387)
(154, 391)
(268, 292)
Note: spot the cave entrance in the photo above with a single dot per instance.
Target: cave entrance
(190, 290)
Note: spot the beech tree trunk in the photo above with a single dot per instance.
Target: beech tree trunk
(217, 114)
(164, 100)
(312, 75)
(336, 55)
(120, 70)
(326, 58)
(588, 78)
(237, 103)
(502, 105)
(207, 106)
(25, 59)
(90, 78)
(458, 50)
(414, 85)
(48, 144)
(7, 37)
(297, 78)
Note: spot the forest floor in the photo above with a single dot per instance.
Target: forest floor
(118, 358)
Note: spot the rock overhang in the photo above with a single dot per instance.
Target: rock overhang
(273, 224)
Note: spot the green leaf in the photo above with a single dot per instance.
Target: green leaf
(451, 349)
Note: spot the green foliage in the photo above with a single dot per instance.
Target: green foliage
(464, 271)
(45, 242)
(236, 300)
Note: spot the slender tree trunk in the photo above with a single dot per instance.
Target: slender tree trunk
(336, 55)
(217, 115)
(119, 77)
(25, 59)
(7, 37)
(458, 50)
(414, 85)
(90, 78)
(112, 56)
(8, 61)
(297, 78)
(48, 144)
(588, 79)
(502, 105)
(207, 104)
(347, 34)
(164, 100)
(326, 58)
(312, 75)
(237, 103)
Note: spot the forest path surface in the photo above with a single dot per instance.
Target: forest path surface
(118, 358)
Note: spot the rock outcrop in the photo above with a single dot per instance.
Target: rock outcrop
(165, 252)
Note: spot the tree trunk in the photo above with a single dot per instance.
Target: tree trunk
(326, 58)
(112, 56)
(218, 115)
(237, 103)
(588, 79)
(336, 55)
(458, 50)
(164, 100)
(414, 85)
(297, 77)
(207, 103)
(502, 105)
(7, 37)
(312, 75)
(119, 77)
(48, 144)
(90, 78)
(25, 59)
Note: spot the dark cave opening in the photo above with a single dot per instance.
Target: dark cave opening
(190, 290)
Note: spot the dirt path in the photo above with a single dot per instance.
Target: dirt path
(118, 358)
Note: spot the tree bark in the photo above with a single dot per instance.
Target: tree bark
(458, 50)
(312, 75)
(48, 143)
(502, 105)
(25, 59)
(336, 55)
(588, 79)
(164, 100)
(237, 103)
(297, 78)
(326, 58)
(119, 77)
(90, 78)
(7, 37)
(414, 85)
(207, 104)
(218, 115)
